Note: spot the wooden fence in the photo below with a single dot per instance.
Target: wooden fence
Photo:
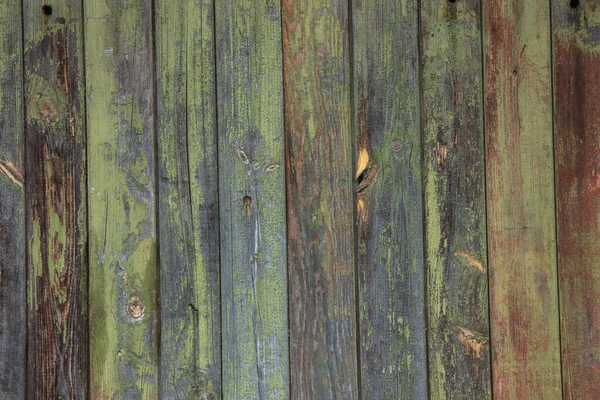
(246, 199)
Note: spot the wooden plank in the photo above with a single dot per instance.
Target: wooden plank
(457, 282)
(576, 41)
(323, 348)
(190, 349)
(13, 298)
(121, 187)
(389, 201)
(56, 200)
(520, 201)
(252, 200)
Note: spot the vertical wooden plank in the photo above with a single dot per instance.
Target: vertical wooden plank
(190, 348)
(456, 258)
(13, 299)
(56, 199)
(252, 200)
(121, 187)
(520, 201)
(389, 200)
(576, 40)
(320, 196)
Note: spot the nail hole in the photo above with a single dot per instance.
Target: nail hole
(574, 3)
(47, 10)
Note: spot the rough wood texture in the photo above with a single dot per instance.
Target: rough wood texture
(190, 351)
(121, 190)
(55, 200)
(389, 200)
(520, 201)
(252, 200)
(576, 43)
(12, 221)
(456, 258)
(323, 348)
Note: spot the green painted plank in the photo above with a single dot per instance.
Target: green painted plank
(576, 41)
(252, 200)
(121, 190)
(190, 349)
(389, 200)
(520, 200)
(56, 200)
(13, 299)
(323, 344)
(456, 258)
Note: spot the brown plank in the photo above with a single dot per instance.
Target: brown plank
(390, 263)
(188, 208)
(13, 298)
(520, 201)
(323, 348)
(56, 200)
(457, 281)
(576, 41)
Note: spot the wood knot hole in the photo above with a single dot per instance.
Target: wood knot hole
(574, 3)
(451, 1)
(135, 308)
(46, 9)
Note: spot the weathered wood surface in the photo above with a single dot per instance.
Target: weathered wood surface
(252, 200)
(387, 171)
(576, 41)
(55, 200)
(520, 200)
(323, 343)
(13, 299)
(121, 190)
(456, 258)
(188, 200)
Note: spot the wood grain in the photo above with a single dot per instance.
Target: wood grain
(121, 190)
(389, 200)
(252, 200)
(188, 206)
(456, 258)
(576, 41)
(520, 201)
(323, 345)
(13, 298)
(55, 200)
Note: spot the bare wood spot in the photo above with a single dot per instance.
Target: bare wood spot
(243, 157)
(272, 167)
(247, 202)
(470, 260)
(474, 346)
(363, 161)
(12, 172)
(135, 308)
(441, 154)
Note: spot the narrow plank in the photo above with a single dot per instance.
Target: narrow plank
(13, 298)
(389, 200)
(323, 348)
(190, 349)
(121, 187)
(56, 200)
(576, 41)
(520, 201)
(252, 200)
(456, 258)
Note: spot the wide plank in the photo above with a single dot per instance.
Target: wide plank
(13, 299)
(320, 193)
(576, 43)
(387, 144)
(56, 201)
(457, 281)
(520, 200)
(188, 208)
(254, 298)
(121, 189)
